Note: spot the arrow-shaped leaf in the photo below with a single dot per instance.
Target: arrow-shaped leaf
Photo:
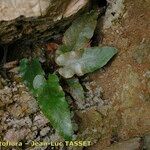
(50, 96)
(78, 35)
(89, 60)
(54, 106)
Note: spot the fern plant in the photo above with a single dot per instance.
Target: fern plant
(72, 57)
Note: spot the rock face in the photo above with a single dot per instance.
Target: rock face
(125, 81)
(11, 9)
(20, 118)
(131, 144)
(35, 19)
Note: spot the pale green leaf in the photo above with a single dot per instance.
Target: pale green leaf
(54, 106)
(29, 70)
(38, 81)
(76, 90)
(80, 32)
(89, 60)
(63, 49)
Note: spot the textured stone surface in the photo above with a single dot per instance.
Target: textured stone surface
(36, 19)
(125, 80)
(20, 118)
(11, 9)
(133, 144)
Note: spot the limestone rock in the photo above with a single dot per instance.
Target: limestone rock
(36, 19)
(125, 80)
(11, 9)
(131, 144)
